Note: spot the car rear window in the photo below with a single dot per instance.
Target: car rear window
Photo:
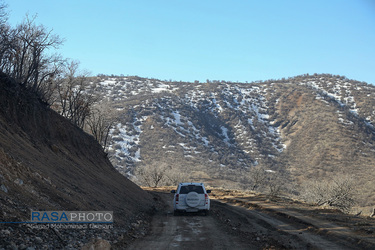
(191, 188)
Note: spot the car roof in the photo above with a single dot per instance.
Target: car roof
(191, 183)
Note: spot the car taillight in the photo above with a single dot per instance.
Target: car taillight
(206, 198)
(177, 196)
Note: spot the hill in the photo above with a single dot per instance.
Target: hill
(46, 163)
(309, 127)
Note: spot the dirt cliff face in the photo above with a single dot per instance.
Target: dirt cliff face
(46, 163)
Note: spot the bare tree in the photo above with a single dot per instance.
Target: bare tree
(151, 175)
(174, 175)
(275, 184)
(7, 39)
(26, 55)
(33, 64)
(264, 180)
(159, 174)
(256, 176)
(3, 13)
(338, 192)
(74, 102)
(99, 123)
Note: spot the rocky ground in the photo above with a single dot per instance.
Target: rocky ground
(71, 236)
(237, 219)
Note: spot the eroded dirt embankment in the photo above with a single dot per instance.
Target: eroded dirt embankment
(48, 164)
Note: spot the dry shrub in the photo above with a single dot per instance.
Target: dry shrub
(159, 174)
(339, 192)
(269, 182)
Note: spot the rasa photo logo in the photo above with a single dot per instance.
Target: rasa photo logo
(71, 217)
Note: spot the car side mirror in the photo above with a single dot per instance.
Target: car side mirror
(208, 191)
(173, 191)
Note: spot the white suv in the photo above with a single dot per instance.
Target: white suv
(191, 197)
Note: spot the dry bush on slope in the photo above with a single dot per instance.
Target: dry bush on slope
(272, 183)
(339, 191)
(159, 174)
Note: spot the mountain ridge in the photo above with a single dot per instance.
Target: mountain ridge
(305, 127)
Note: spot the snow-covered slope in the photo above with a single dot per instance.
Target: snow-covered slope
(304, 126)
(224, 119)
(356, 96)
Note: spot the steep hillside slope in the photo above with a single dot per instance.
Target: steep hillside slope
(305, 127)
(326, 139)
(48, 164)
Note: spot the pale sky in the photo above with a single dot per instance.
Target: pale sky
(238, 40)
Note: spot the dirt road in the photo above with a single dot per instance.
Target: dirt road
(237, 227)
(189, 231)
